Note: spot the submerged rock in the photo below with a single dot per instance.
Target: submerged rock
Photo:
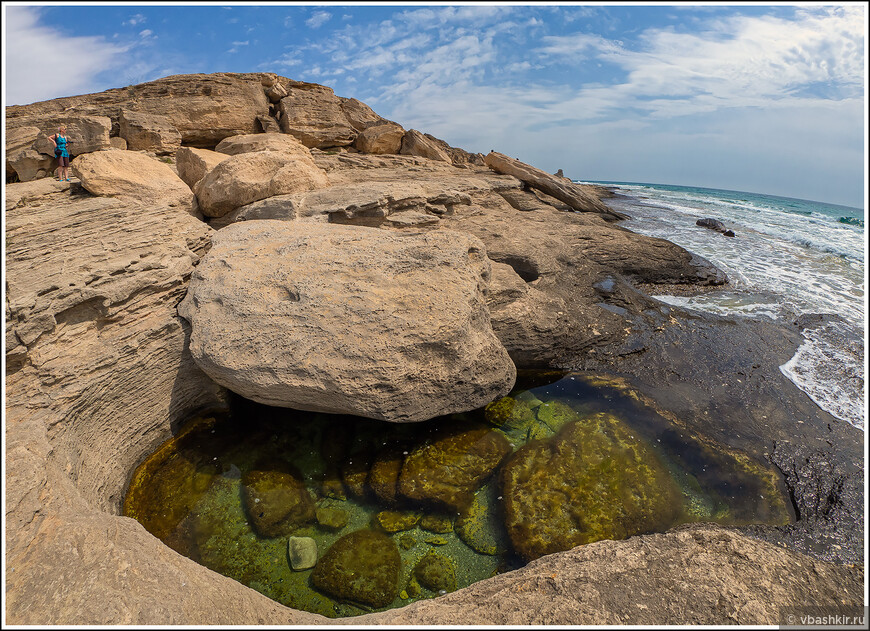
(362, 567)
(438, 524)
(276, 499)
(447, 470)
(509, 413)
(436, 572)
(594, 480)
(395, 521)
(480, 526)
(331, 518)
(302, 552)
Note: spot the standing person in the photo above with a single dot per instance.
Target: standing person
(60, 142)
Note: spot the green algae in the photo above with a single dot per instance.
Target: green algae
(436, 572)
(192, 491)
(362, 567)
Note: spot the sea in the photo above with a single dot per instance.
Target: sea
(789, 257)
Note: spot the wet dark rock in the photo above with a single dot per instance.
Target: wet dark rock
(715, 224)
(594, 480)
(362, 567)
(446, 470)
(276, 499)
(438, 524)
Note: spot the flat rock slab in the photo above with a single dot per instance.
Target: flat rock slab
(348, 320)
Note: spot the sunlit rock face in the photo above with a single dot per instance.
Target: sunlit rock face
(344, 319)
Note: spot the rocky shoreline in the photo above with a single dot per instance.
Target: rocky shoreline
(104, 360)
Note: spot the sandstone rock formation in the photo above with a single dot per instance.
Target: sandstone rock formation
(571, 194)
(314, 115)
(414, 143)
(359, 115)
(345, 319)
(148, 132)
(133, 176)
(380, 139)
(85, 133)
(193, 164)
(205, 109)
(249, 177)
(247, 143)
(23, 162)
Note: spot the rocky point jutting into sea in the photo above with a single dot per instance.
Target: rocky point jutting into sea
(246, 234)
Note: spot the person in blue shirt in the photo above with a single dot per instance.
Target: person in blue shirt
(61, 151)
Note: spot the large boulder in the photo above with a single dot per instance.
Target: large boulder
(250, 177)
(313, 114)
(193, 164)
(594, 480)
(414, 143)
(22, 160)
(345, 319)
(247, 143)
(132, 175)
(386, 138)
(149, 132)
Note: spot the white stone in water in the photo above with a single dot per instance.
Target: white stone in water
(302, 552)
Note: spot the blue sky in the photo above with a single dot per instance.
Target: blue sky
(766, 99)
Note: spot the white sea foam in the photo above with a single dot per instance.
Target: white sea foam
(830, 370)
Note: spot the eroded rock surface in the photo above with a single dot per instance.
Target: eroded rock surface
(345, 319)
(132, 176)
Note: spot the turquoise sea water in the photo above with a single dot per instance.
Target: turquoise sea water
(789, 257)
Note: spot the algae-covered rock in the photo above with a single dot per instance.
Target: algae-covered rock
(384, 473)
(331, 518)
(302, 552)
(446, 470)
(362, 566)
(480, 526)
(436, 572)
(439, 524)
(509, 413)
(355, 473)
(556, 414)
(167, 486)
(591, 481)
(435, 541)
(395, 521)
(276, 498)
(332, 485)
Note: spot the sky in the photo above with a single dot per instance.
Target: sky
(759, 98)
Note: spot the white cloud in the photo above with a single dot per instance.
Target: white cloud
(146, 33)
(245, 43)
(318, 19)
(135, 19)
(32, 52)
